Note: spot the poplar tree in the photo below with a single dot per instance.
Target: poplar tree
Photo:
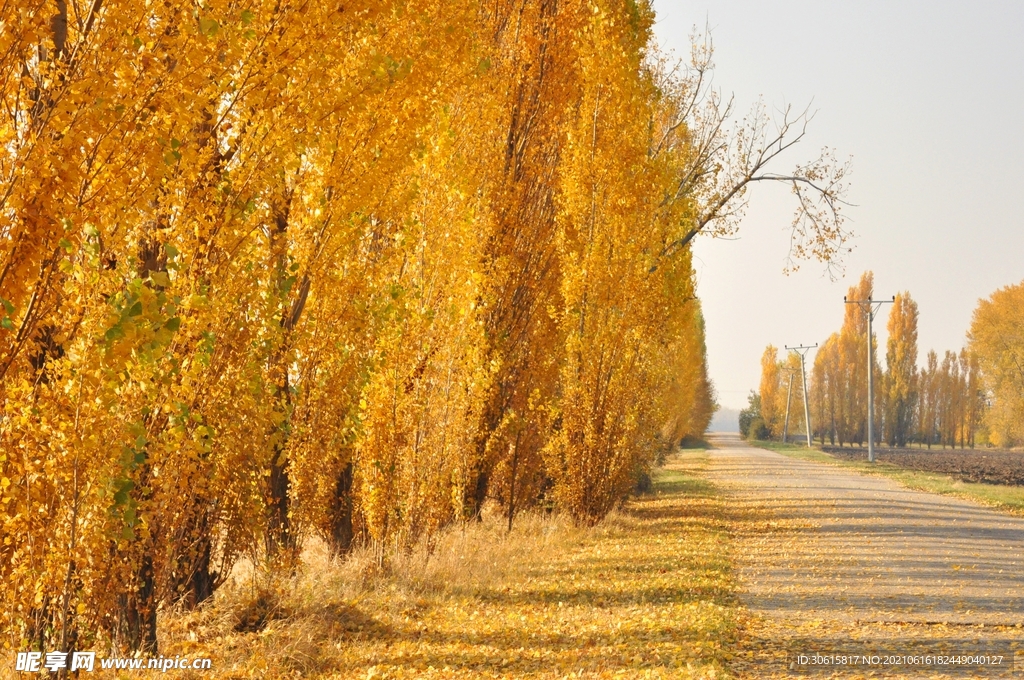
(827, 390)
(793, 383)
(929, 400)
(996, 338)
(901, 369)
(852, 425)
(772, 393)
(301, 269)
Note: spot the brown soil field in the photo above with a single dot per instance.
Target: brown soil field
(986, 466)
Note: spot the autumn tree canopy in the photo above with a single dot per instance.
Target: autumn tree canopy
(772, 391)
(277, 270)
(901, 369)
(996, 340)
(942, 402)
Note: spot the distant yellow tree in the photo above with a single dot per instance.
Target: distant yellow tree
(974, 396)
(928, 400)
(950, 399)
(996, 337)
(827, 383)
(854, 360)
(901, 370)
(773, 396)
(792, 395)
(692, 394)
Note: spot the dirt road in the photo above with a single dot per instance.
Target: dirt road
(845, 556)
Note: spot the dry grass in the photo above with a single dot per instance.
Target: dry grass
(648, 593)
(264, 625)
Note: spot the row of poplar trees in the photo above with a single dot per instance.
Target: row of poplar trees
(285, 268)
(937, 404)
(972, 396)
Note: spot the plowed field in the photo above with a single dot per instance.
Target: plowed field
(987, 466)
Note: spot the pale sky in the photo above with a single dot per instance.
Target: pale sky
(928, 98)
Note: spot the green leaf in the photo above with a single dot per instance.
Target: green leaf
(173, 324)
(247, 17)
(8, 307)
(208, 27)
(136, 309)
(160, 278)
(7, 323)
(65, 245)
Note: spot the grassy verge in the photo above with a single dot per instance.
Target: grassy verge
(647, 593)
(1007, 498)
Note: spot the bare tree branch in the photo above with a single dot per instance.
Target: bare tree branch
(716, 160)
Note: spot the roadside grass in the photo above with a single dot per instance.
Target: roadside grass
(1003, 497)
(799, 451)
(649, 592)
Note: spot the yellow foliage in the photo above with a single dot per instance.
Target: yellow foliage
(351, 271)
(901, 369)
(938, 404)
(996, 338)
(772, 399)
(648, 593)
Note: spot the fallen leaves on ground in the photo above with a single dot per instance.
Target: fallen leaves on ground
(646, 594)
(820, 573)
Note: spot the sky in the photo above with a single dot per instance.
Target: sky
(928, 100)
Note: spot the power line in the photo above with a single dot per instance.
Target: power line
(872, 307)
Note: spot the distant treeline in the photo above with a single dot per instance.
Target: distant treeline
(973, 396)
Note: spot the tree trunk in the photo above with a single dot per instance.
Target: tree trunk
(341, 520)
(138, 610)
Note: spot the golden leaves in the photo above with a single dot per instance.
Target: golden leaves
(649, 593)
(996, 339)
(289, 271)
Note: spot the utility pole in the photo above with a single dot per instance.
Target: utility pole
(871, 307)
(802, 350)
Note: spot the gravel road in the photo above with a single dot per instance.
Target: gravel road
(822, 550)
